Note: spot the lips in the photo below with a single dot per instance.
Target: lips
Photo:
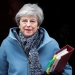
(28, 29)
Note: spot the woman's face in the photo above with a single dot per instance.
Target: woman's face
(28, 25)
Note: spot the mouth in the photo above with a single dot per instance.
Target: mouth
(28, 29)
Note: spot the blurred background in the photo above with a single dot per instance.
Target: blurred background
(59, 20)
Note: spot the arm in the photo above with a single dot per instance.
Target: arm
(3, 62)
(67, 71)
(68, 68)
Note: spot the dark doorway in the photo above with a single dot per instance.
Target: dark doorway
(58, 20)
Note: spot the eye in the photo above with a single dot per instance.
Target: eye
(32, 21)
(24, 20)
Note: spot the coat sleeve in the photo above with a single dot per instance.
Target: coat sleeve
(68, 69)
(3, 62)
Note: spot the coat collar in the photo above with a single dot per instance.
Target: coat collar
(46, 39)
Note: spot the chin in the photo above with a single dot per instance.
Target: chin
(28, 36)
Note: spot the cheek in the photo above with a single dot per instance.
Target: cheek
(35, 29)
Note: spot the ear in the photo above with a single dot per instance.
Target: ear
(19, 26)
(38, 27)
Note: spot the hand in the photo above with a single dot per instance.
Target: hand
(55, 73)
(52, 73)
(45, 73)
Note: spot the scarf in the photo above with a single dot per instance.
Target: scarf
(30, 46)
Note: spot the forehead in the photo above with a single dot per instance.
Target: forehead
(28, 17)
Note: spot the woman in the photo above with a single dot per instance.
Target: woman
(28, 48)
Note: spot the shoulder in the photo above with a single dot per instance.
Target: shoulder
(54, 41)
(4, 42)
(49, 42)
(48, 38)
(10, 38)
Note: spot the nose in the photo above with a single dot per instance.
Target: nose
(28, 23)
